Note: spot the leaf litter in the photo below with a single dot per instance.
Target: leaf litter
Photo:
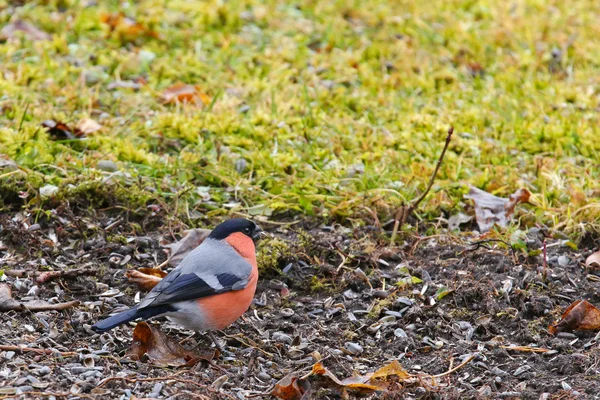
(491, 210)
(161, 350)
(580, 315)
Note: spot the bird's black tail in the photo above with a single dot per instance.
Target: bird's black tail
(129, 315)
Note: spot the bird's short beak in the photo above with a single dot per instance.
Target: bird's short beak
(258, 234)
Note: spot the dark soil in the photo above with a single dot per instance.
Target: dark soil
(347, 304)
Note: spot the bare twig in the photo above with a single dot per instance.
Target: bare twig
(545, 261)
(18, 349)
(173, 377)
(47, 276)
(29, 395)
(404, 211)
(459, 366)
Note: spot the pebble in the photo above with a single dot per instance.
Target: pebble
(24, 388)
(394, 313)
(78, 370)
(286, 312)
(485, 391)
(404, 301)
(354, 348)
(563, 261)
(566, 335)
(388, 319)
(522, 370)
(498, 371)
(281, 337)
(263, 376)
(107, 165)
(9, 355)
(158, 387)
(381, 294)
(464, 325)
(400, 333)
(45, 370)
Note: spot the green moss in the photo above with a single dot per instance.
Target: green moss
(332, 109)
(273, 254)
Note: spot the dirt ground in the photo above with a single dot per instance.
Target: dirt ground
(352, 301)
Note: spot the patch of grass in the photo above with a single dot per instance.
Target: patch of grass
(320, 108)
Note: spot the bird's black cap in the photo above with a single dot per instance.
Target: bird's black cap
(234, 225)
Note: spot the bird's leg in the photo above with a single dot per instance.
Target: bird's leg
(216, 342)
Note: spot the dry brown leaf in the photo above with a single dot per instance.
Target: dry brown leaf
(7, 303)
(125, 27)
(181, 248)
(88, 125)
(357, 383)
(145, 278)
(392, 369)
(491, 210)
(290, 387)
(184, 93)
(162, 350)
(526, 349)
(581, 315)
(593, 260)
(9, 31)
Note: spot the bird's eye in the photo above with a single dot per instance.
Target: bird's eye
(247, 231)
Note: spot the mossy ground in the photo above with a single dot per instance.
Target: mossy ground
(328, 109)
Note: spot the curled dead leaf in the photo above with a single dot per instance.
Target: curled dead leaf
(290, 387)
(88, 126)
(162, 350)
(181, 248)
(392, 369)
(376, 381)
(580, 315)
(593, 260)
(184, 93)
(145, 278)
(491, 210)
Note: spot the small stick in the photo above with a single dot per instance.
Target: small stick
(48, 276)
(48, 394)
(459, 366)
(545, 262)
(18, 349)
(405, 211)
(172, 377)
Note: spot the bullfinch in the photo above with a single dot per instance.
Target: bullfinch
(211, 287)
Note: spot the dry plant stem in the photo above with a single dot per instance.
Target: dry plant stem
(26, 395)
(47, 276)
(18, 349)
(545, 262)
(459, 366)
(172, 377)
(404, 211)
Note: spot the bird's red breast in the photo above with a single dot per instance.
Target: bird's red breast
(244, 245)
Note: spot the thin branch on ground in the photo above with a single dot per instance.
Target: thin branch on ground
(48, 276)
(404, 211)
(459, 366)
(18, 349)
(172, 377)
